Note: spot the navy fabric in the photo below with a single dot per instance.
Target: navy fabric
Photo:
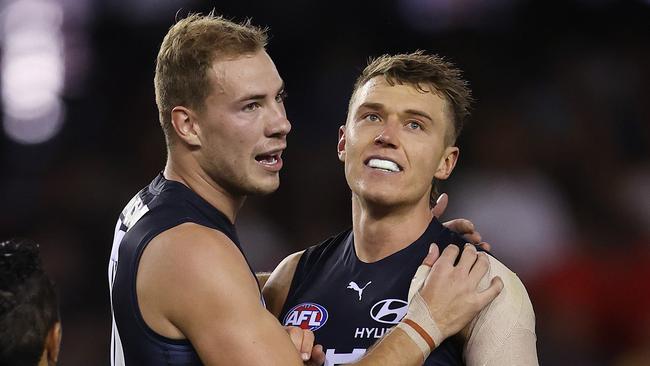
(350, 304)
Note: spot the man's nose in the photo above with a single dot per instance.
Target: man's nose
(388, 135)
(279, 126)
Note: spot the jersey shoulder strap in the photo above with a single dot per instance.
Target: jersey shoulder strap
(314, 256)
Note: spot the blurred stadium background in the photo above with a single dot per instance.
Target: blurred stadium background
(554, 167)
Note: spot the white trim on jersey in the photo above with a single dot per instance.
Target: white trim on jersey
(117, 352)
(131, 214)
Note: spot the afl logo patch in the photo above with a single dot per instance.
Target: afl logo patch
(306, 316)
(389, 311)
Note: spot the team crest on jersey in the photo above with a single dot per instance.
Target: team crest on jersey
(307, 315)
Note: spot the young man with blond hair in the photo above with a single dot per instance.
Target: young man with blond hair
(182, 292)
(404, 116)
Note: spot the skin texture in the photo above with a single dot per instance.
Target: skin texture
(243, 118)
(406, 126)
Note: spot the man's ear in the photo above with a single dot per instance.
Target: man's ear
(53, 343)
(447, 163)
(186, 126)
(340, 147)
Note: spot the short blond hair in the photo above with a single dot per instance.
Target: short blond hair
(187, 53)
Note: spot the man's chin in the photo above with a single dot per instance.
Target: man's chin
(382, 198)
(263, 188)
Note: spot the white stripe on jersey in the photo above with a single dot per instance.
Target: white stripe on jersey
(333, 359)
(133, 212)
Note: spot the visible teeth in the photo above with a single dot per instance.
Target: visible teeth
(383, 164)
(270, 160)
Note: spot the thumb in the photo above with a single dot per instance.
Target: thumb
(423, 271)
(441, 205)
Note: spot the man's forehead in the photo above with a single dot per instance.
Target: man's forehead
(244, 74)
(378, 89)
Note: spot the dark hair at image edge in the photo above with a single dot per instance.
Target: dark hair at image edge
(28, 303)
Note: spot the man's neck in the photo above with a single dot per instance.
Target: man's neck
(185, 170)
(380, 232)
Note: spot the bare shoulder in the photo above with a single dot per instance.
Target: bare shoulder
(193, 252)
(184, 265)
(197, 281)
(504, 332)
(277, 286)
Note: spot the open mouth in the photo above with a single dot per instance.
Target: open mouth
(384, 165)
(268, 159)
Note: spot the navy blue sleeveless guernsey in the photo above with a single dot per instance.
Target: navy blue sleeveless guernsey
(350, 304)
(162, 205)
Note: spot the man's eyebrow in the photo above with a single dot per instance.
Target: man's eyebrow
(380, 107)
(259, 96)
(418, 113)
(371, 105)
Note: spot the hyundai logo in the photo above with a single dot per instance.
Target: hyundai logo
(389, 311)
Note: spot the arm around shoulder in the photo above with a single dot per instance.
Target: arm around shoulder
(278, 284)
(504, 332)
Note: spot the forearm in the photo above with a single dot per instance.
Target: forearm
(396, 348)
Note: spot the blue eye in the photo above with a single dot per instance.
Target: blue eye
(414, 125)
(373, 118)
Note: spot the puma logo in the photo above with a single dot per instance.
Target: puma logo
(353, 285)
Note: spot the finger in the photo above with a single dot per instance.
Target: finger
(441, 205)
(295, 334)
(433, 255)
(473, 237)
(317, 356)
(480, 268)
(307, 344)
(461, 226)
(485, 246)
(448, 256)
(485, 297)
(467, 259)
(418, 280)
(465, 228)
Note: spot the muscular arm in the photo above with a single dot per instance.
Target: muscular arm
(194, 283)
(504, 332)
